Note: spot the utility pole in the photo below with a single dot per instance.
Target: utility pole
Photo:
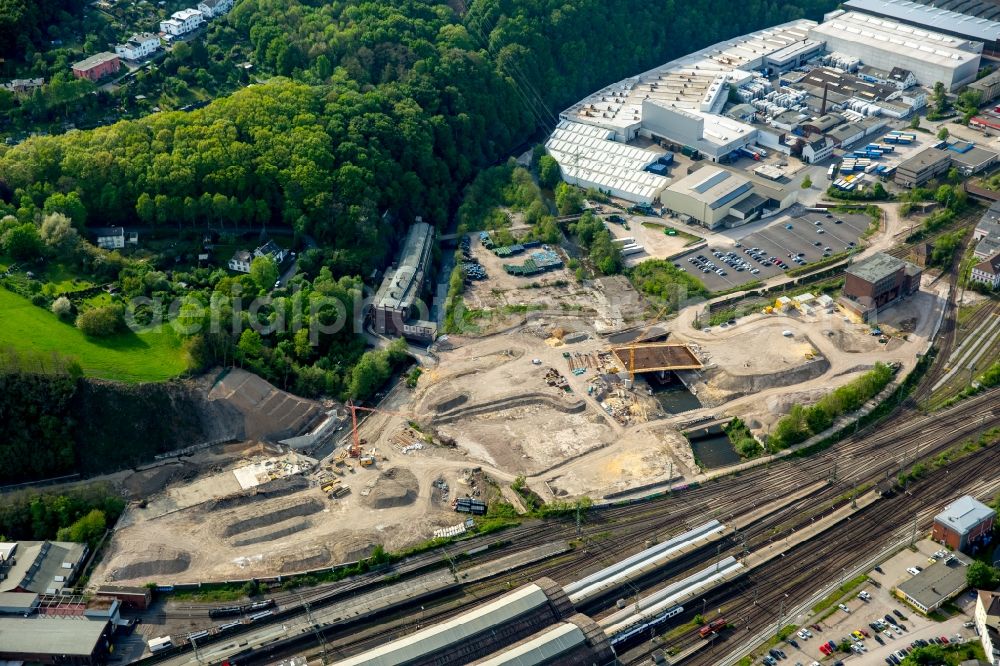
(451, 563)
(718, 553)
(578, 530)
(315, 628)
(913, 533)
(781, 616)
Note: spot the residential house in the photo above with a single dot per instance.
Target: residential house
(987, 272)
(115, 238)
(97, 66)
(273, 250)
(241, 261)
(23, 86)
(987, 619)
(140, 45)
(897, 77)
(212, 8)
(182, 22)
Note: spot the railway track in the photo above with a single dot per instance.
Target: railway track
(628, 527)
(610, 534)
(756, 600)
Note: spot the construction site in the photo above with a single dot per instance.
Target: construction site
(550, 400)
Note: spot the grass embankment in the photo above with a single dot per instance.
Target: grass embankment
(129, 357)
(832, 599)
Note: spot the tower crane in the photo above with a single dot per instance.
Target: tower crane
(355, 450)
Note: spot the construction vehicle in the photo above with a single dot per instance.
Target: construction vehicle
(355, 451)
(330, 485)
(367, 460)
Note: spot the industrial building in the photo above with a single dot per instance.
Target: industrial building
(40, 567)
(932, 587)
(884, 43)
(987, 619)
(73, 641)
(878, 282)
(966, 524)
(398, 298)
(925, 165)
(716, 196)
(589, 158)
(940, 19)
(988, 87)
(970, 159)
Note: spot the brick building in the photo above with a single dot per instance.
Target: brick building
(964, 525)
(878, 282)
(97, 66)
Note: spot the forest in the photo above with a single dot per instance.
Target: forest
(385, 107)
(23, 23)
(363, 116)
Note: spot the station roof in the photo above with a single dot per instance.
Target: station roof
(905, 40)
(586, 153)
(937, 18)
(418, 646)
(657, 356)
(540, 648)
(50, 635)
(964, 513)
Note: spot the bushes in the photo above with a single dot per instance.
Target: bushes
(101, 322)
(742, 439)
(660, 279)
(62, 307)
(944, 248)
(591, 233)
(803, 422)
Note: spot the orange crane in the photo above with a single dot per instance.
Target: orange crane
(355, 451)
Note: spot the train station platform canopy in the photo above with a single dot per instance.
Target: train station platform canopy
(657, 357)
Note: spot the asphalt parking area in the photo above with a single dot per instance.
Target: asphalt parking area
(811, 237)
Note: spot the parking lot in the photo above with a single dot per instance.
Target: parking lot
(879, 645)
(795, 242)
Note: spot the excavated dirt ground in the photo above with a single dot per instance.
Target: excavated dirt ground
(489, 399)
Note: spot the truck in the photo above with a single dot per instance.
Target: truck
(831, 172)
(713, 627)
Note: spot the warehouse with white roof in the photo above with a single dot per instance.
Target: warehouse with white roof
(884, 43)
(934, 18)
(588, 158)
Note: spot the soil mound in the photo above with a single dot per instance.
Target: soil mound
(395, 487)
(260, 536)
(273, 517)
(271, 490)
(166, 563)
